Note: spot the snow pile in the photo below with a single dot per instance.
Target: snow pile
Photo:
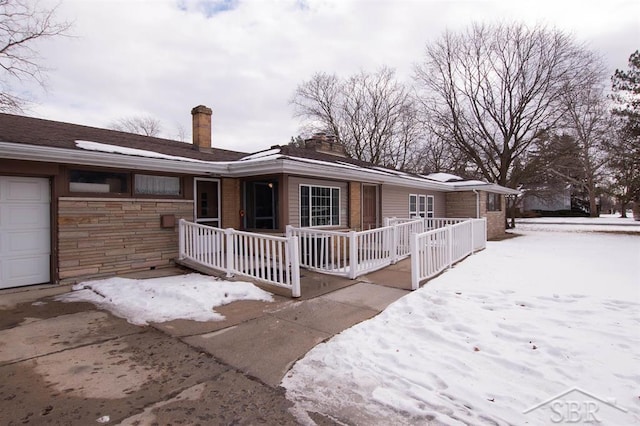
(192, 296)
(505, 330)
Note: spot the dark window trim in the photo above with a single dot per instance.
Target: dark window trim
(130, 184)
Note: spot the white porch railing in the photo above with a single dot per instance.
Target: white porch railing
(351, 253)
(438, 249)
(270, 259)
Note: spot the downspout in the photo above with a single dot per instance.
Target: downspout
(475, 191)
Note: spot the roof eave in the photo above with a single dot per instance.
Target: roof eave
(489, 187)
(26, 152)
(330, 171)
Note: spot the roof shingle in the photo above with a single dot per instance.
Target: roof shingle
(36, 131)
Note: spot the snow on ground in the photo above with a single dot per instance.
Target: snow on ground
(192, 296)
(608, 223)
(506, 329)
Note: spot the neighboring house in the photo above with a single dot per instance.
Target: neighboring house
(559, 200)
(78, 202)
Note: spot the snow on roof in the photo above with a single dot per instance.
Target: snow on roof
(115, 149)
(471, 183)
(270, 153)
(443, 177)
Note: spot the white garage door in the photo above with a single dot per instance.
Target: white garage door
(24, 231)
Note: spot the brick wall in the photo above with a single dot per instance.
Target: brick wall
(355, 201)
(495, 220)
(230, 203)
(104, 237)
(463, 204)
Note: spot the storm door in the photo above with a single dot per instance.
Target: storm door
(261, 204)
(207, 201)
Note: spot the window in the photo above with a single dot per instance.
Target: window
(98, 182)
(103, 182)
(494, 202)
(156, 185)
(413, 205)
(421, 205)
(430, 204)
(319, 206)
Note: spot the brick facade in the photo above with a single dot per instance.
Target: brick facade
(100, 237)
(495, 220)
(464, 204)
(355, 205)
(230, 203)
(460, 204)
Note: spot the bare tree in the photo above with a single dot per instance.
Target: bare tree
(181, 133)
(492, 90)
(588, 122)
(22, 24)
(141, 125)
(372, 114)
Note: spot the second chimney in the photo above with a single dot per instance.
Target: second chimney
(201, 127)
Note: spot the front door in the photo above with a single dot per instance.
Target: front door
(261, 204)
(207, 201)
(369, 207)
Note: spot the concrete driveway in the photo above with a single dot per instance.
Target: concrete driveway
(71, 364)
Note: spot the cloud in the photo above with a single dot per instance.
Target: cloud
(244, 59)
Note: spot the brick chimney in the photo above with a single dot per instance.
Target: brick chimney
(322, 142)
(201, 128)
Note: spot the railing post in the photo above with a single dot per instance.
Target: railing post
(473, 245)
(415, 262)
(353, 255)
(181, 239)
(294, 257)
(386, 221)
(450, 244)
(395, 244)
(484, 221)
(230, 266)
(289, 231)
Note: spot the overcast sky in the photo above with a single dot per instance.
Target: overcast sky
(244, 59)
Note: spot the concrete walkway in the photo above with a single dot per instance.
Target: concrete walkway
(70, 363)
(264, 339)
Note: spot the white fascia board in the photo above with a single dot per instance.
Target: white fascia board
(319, 171)
(19, 151)
(489, 187)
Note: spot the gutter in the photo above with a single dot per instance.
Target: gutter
(48, 154)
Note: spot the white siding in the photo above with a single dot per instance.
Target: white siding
(395, 201)
(294, 198)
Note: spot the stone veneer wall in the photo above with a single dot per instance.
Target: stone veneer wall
(100, 237)
(463, 204)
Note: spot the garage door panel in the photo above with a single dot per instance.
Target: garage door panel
(18, 189)
(25, 232)
(22, 271)
(24, 215)
(35, 241)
